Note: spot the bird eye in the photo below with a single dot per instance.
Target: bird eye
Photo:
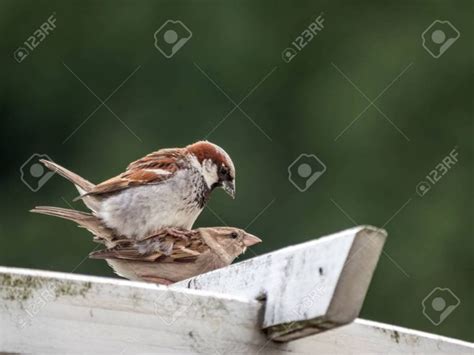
(223, 171)
(234, 235)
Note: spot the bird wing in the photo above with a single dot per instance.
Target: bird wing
(151, 169)
(162, 247)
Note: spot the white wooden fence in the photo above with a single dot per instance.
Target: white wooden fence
(272, 304)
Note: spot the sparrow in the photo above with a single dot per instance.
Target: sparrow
(169, 255)
(166, 188)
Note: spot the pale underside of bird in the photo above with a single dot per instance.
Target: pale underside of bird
(167, 256)
(167, 188)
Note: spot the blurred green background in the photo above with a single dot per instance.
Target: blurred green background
(304, 106)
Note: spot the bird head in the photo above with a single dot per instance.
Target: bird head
(228, 242)
(215, 165)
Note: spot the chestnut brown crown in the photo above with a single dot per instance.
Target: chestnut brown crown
(204, 152)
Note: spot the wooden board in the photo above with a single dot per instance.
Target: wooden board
(308, 288)
(48, 312)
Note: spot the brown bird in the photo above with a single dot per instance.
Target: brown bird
(166, 188)
(168, 255)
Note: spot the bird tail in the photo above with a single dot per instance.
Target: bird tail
(82, 185)
(83, 219)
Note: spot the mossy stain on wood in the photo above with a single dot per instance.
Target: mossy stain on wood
(21, 288)
(18, 288)
(68, 288)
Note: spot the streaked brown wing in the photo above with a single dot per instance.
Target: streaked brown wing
(158, 160)
(163, 247)
(151, 169)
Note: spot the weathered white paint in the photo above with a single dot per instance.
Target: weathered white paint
(364, 336)
(48, 312)
(307, 288)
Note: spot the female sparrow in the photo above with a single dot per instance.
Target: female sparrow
(169, 255)
(167, 188)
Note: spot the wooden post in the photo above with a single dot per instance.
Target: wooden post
(250, 307)
(307, 288)
(50, 312)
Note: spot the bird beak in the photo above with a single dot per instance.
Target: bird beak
(229, 187)
(250, 240)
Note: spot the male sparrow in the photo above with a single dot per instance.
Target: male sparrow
(167, 188)
(169, 255)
